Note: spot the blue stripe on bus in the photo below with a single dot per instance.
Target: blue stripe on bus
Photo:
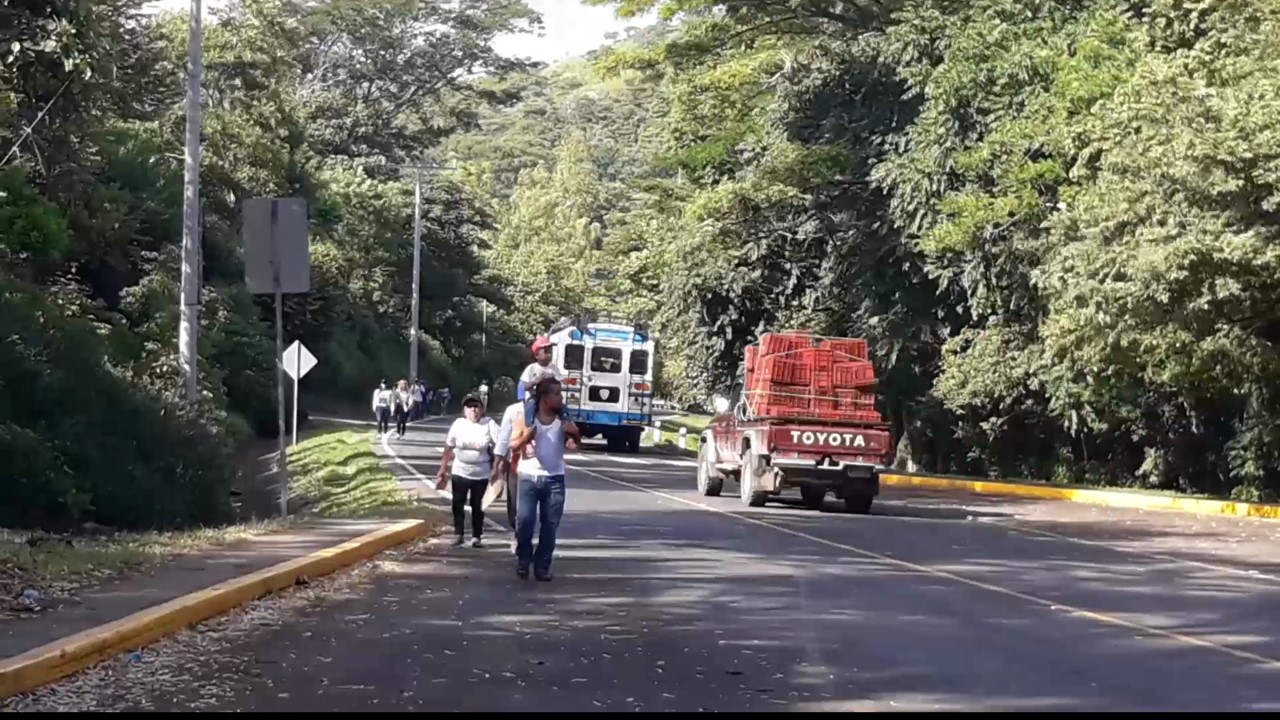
(601, 417)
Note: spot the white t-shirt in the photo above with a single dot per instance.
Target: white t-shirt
(536, 372)
(471, 443)
(503, 447)
(548, 451)
(383, 398)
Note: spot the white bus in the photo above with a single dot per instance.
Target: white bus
(608, 386)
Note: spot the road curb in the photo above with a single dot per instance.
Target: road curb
(1109, 498)
(45, 664)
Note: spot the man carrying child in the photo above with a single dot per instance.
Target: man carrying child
(540, 368)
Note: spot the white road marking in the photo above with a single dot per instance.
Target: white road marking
(1262, 660)
(429, 483)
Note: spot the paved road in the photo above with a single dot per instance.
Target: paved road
(664, 600)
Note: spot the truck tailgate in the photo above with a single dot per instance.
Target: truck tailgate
(850, 443)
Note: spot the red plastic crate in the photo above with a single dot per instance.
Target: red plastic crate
(853, 375)
(779, 401)
(855, 399)
(752, 352)
(847, 349)
(782, 370)
(820, 359)
(783, 343)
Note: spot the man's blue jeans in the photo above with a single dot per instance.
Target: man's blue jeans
(539, 499)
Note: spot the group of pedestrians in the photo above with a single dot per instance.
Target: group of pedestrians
(392, 403)
(530, 443)
(404, 403)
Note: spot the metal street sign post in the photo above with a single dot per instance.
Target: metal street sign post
(297, 361)
(277, 260)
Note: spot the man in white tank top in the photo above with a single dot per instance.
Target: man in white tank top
(540, 484)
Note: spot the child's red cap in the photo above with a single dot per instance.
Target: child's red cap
(540, 342)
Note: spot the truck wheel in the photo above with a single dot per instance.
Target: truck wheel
(858, 504)
(613, 443)
(813, 496)
(709, 481)
(633, 440)
(747, 481)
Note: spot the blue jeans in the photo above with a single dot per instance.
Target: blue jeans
(539, 499)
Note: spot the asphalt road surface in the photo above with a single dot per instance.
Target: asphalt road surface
(664, 600)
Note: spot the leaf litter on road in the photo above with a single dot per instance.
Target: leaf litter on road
(201, 668)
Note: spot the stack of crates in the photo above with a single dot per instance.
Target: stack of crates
(855, 379)
(796, 375)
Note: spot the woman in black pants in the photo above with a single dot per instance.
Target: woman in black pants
(468, 457)
(403, 401)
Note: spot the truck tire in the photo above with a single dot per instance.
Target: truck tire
(613, 443)
(633, 440)
(858, 504)
(710, 483)
(813, 496)
(747, 481)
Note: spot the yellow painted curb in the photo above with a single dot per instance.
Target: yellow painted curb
(30, 670)
(1110, 498)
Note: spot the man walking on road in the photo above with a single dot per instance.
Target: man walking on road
(468, 456)
(541, 493)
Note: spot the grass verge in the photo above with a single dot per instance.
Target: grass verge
(333, 473)
(336, 473)
(693, 426)
(36, 566)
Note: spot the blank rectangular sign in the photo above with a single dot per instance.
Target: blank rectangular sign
(277, 245)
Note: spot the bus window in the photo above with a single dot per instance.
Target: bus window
(606, 359)
(573, 356)
(639, 362)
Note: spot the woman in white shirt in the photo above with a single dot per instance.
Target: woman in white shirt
(468, 457)
(403, 401)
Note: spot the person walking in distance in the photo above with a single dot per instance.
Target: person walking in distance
(415, 391)
(401, 403)
(382, 400)
(468, 458)
(540, 480)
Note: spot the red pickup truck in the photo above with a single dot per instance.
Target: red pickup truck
(801, 415)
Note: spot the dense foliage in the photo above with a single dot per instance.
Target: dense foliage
(1057, 220)
(318, 100)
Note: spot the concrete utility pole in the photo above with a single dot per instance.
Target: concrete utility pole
(415, 322)
(189, 315)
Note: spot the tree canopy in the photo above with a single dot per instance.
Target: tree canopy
(1054, 220)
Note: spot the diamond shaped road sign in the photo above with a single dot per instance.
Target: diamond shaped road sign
(298, 360)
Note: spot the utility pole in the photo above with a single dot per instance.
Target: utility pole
(189, 314)
(415, 323)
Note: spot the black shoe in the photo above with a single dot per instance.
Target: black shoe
(522, 572)
(459, 541)
(543, 576)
